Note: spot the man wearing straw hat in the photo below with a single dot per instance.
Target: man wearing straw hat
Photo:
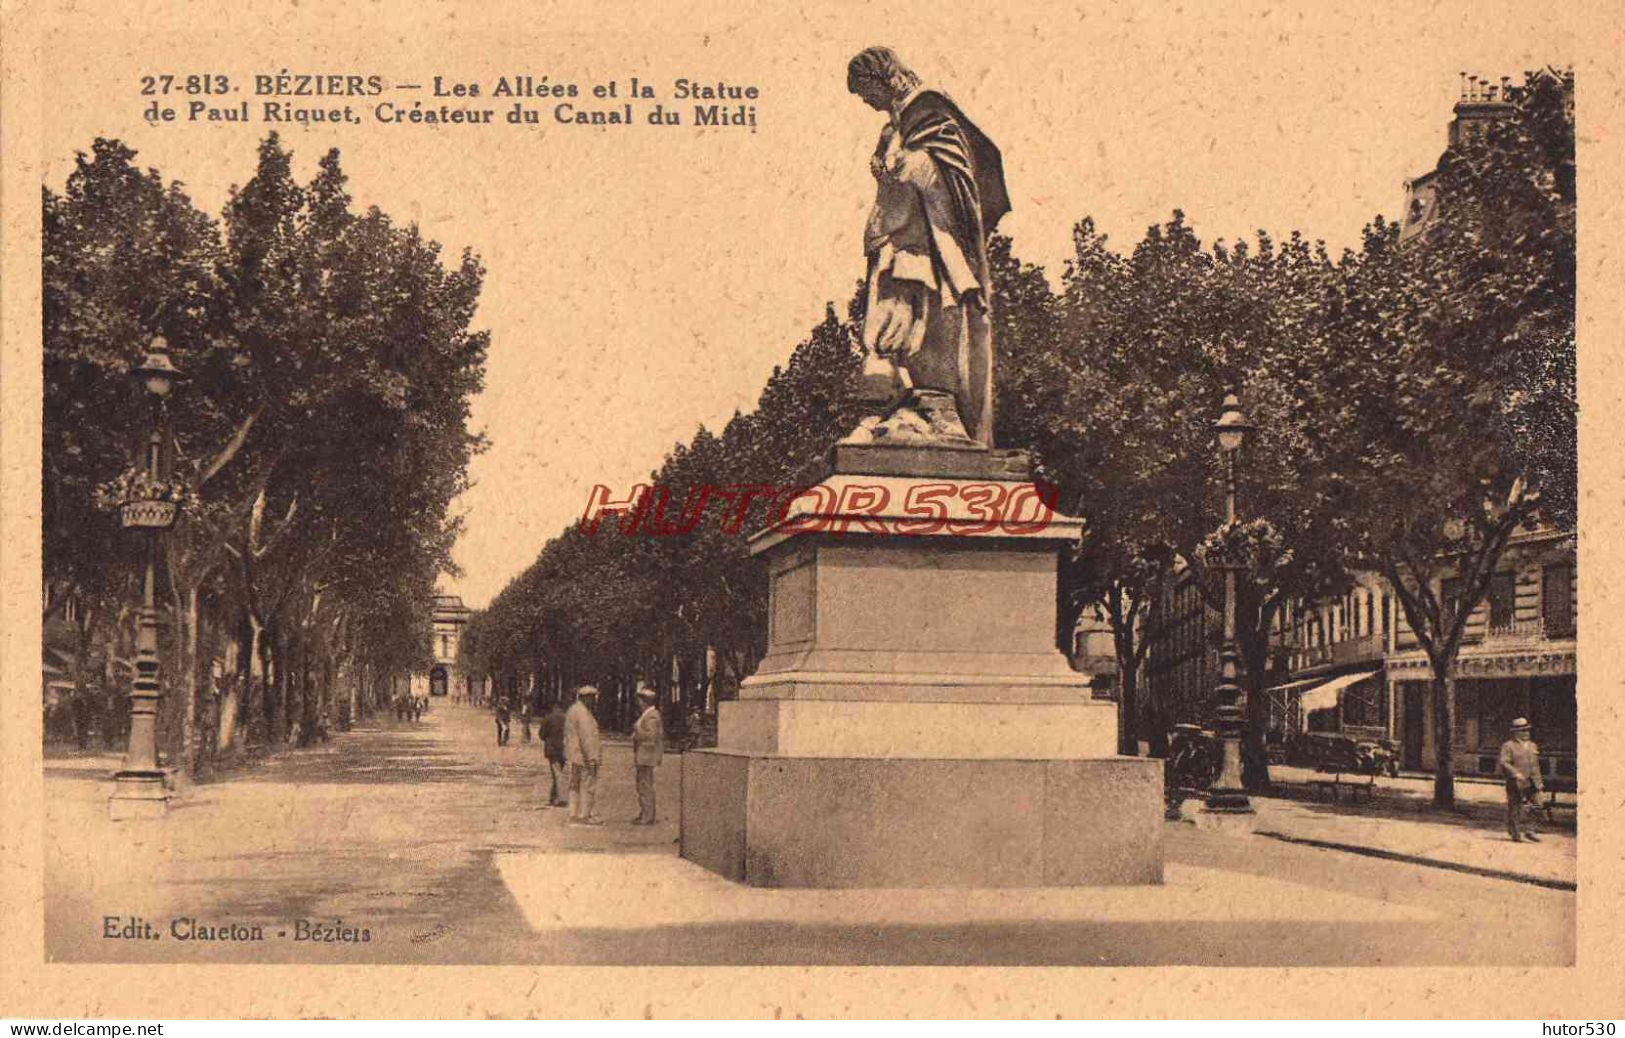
(583, 749)
(648, 743)
(1520, 766)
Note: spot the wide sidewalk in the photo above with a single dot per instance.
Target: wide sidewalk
(439, 845)
(1398, 820)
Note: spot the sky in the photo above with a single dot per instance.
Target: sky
(645, 281)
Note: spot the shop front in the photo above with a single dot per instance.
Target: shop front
(1488, 698)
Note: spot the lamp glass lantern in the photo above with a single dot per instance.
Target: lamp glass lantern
(1233, 426)
(157, 372)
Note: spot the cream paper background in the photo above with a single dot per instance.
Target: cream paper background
(643, 281)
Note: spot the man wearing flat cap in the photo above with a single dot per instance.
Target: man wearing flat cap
(583, 749)
(1520, 767)
(648, 743)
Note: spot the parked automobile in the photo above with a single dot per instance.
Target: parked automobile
(1195, 756)
(1325, 749)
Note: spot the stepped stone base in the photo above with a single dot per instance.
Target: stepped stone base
(138, 795)
(913, 723)
(777, 821)
(914, 729)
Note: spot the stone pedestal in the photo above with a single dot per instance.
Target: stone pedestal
(138, 795)
(913, 723)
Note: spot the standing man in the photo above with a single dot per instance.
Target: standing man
(648, 743)
(553, 747)
(1520, 766)
(524, 714)
(502, 720)
(584, 750)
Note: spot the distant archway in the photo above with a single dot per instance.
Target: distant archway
(437, 681)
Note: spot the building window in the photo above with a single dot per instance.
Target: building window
(1557, 600)
(1503, 599)
(445, 643)
(1385, 619)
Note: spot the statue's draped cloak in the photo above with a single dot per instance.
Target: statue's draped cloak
(958, 199)
(969, 163)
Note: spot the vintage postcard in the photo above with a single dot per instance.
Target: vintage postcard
(1070, 487)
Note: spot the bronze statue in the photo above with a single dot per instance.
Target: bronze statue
(927, 326)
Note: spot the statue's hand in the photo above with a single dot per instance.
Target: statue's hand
(887, 159)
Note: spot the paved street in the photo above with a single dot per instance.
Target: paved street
(437, 844)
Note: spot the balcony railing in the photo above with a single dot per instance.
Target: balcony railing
(1364, 649)
(1527, 631)
(1311, 656)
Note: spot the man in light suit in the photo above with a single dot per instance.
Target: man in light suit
(1520, 768)
(583, 749)
(648, 743)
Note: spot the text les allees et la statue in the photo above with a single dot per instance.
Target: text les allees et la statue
(448, 100)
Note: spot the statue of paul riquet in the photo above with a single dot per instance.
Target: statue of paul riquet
(927, 327)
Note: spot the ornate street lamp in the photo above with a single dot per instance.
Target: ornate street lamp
(139, 790)
(1227, 795)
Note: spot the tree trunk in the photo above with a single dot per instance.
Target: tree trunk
(238, 669)
(1444, 735)
(1255, 765)
(1255, 760)
(270, 672)
(188, 655)
(1128, 672)
(1128, 694)
(81, 690)
(230, 701)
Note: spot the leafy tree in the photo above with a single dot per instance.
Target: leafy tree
(1117, 394)
(322, 431)
(1444, 378)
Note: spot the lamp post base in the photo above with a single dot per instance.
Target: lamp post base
(1224, 815)
(137, 795)
(1228, 802)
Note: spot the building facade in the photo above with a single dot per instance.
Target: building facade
(1352, 664)
(1355, 666)
(1517, 659)
(444, 675)
(1482, 103)
(1331, 654)
(1182, 661)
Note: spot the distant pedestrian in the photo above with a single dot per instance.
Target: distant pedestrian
(583, 748)
(502, 721)
(553, 747)
(648, 743)
(693, 727)
(524, 716)
(1520, 767)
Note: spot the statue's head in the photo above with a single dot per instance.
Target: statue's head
(879, 77)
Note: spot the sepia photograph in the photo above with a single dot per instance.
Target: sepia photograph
(821, 489)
